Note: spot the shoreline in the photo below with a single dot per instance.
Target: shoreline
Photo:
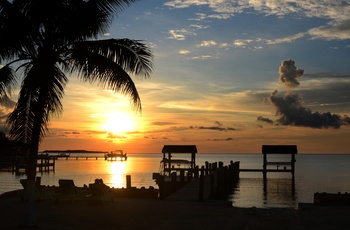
(158, 214)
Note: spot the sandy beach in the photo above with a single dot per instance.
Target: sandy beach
(137, 213)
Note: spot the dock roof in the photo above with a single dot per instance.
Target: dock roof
(179, 149)
(279, 149)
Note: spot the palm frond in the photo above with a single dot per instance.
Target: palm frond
(15, 31)
(39, 100)
(21, 120)
(93, 68)
(7, 80)
(132, 55)
(112, 6)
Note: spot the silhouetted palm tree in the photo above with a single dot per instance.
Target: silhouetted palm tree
(46, 41)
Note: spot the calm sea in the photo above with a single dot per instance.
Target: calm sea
(314, 173)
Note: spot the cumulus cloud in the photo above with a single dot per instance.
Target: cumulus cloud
(290, 74)
(290, 109)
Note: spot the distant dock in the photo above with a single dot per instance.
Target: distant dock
(77, 154)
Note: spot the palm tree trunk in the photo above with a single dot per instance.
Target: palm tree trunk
(28, 218)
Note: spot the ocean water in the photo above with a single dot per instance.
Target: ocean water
(314, 173)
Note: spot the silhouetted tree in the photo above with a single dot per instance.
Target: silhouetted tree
(5, 145)
(46, 41)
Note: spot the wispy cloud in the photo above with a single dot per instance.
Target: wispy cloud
(338, 27)
(203, 57)
(184, 52)
(179, 34)
(241, 42)
(199, 27)
(335, 30)
(285, 39)
(207, 43)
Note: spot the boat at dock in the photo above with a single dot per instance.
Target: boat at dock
(174, 173)
(116, 155)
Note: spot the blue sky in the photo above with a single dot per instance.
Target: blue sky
(216, 79)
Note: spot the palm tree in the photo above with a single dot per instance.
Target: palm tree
(44, 43)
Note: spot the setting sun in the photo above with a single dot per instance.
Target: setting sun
(118, 123)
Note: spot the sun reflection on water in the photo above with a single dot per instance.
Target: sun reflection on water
(117, 169)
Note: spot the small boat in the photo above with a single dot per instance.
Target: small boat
(116, 155)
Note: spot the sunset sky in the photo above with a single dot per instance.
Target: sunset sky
(229, 76)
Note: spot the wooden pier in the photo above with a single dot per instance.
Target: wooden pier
(281, 166)
(214, 180)
(178, 173)
(86, 157)
(45, 163)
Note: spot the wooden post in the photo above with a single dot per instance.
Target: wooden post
(206, 168)
(182, 175)
(264, 166)
(236, 170)
(293, 164)
(220, 184)
(161, 187)
(201, 187)
(128, 181)
(173, 177)
(215, 166)
(38, 181)
(190, 174)
(202, 171)
(212, 183)
(196, 172)
(41, 164)
(54, 162)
